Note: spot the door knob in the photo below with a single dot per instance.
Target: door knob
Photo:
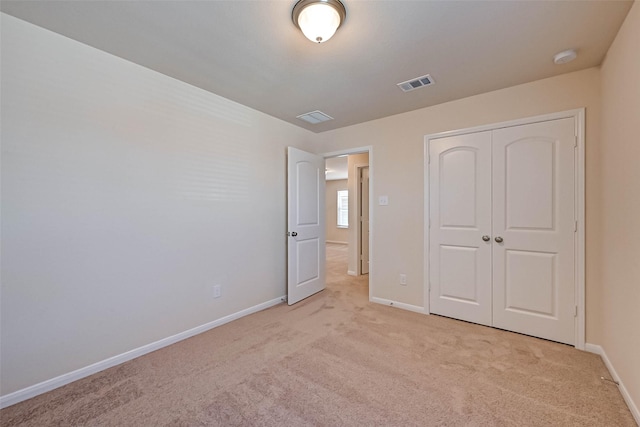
(486, 238)
(294, 234)
(499, 239)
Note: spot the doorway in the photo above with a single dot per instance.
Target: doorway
(357, 175)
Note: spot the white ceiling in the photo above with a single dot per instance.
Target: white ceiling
(250, 51)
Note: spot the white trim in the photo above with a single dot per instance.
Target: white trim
(397, 304)
(633, 408)
(579, 116)
(580, 217)
(371, 223)
(510, 123)
(336, 242)
(426, 286)
(64, 379)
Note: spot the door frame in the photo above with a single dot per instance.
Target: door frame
(359, 167)
(361, 150)
(579, 193)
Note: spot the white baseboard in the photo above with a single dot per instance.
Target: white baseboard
(594, 348)
(352, 273)
(397, 304)
(53, 383)
(336, 242)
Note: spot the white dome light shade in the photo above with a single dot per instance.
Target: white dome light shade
(319, 22)
(318, 19)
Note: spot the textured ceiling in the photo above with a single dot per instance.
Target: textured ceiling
(250, 51)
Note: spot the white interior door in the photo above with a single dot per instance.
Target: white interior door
(364, 220)
(534, 222)
(460, 216)
(306, 225)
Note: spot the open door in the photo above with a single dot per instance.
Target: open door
(306, 225)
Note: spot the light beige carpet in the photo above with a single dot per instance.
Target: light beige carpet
(335, 359)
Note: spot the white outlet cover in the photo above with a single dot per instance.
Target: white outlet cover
(383, 200)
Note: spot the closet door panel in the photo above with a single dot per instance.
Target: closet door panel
(533, 222)
(460, 212)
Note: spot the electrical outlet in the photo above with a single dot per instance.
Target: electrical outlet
(217, 291)
(403, 279)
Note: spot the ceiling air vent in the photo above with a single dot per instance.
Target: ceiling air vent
(315, 117)
(416, 83)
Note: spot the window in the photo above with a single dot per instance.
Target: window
(343, 209)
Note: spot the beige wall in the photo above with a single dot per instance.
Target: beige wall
(126, 196)
(335, 234)
(620, 221)
(398, 164)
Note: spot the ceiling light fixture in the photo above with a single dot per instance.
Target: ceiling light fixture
(318, 19)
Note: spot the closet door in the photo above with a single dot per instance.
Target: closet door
(460, 213)
(533, 229)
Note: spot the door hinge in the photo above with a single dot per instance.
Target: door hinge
(575, 142)
(575, 312)
(575, 226)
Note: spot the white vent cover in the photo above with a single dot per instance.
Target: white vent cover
(416, 83)
(315, 117)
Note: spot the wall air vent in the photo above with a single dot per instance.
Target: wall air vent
(315, 117)
(416, 83)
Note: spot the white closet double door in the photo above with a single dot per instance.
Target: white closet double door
(502, 228)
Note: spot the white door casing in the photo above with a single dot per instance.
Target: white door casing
(537, 213)
(306, 225)
(460, 212)
(533, 214)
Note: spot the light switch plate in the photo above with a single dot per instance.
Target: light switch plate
(383, 200)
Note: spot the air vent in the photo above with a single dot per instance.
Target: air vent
(315, 117)
(416, 83)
